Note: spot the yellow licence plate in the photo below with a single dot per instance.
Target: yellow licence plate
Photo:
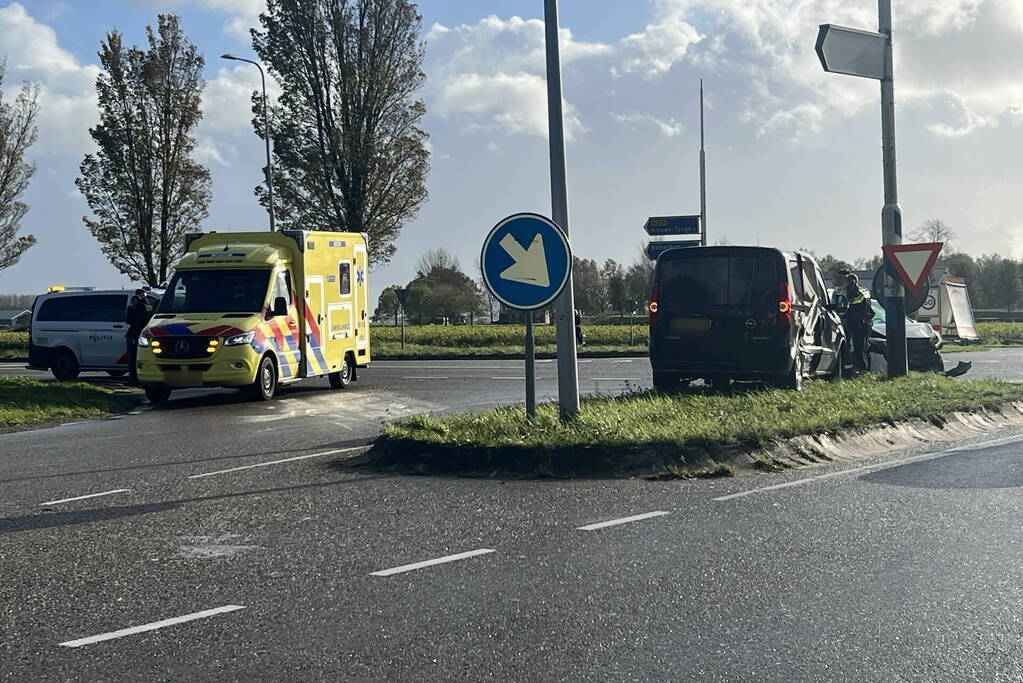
(689, 325)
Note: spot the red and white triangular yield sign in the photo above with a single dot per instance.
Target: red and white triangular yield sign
(913, 262)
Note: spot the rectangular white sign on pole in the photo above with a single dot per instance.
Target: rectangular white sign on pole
(851, 51)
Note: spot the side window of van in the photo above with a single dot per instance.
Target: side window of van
(344, 277)
(104, 308)
(61, 309)
(282, 286)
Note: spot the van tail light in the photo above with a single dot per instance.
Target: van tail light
(654, 306)
(784, 306)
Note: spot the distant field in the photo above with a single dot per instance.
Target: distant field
(13, 344)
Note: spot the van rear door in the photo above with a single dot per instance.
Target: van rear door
(718, 305)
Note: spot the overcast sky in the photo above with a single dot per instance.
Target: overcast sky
(793, 154)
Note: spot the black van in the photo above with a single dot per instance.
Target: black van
(745, 313)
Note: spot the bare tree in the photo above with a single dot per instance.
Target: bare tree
(17, 133)
(436, 259)
(351, 155)
(143, 186)
(935, 230)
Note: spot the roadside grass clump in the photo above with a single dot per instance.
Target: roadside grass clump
(996, 333)
(13, 344)
(25, 401)
(648, 431)
(496, 336)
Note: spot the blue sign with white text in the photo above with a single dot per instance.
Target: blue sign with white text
(655, 249)
(526, 261)
(672, 225)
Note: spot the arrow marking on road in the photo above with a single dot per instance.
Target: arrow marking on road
(530, 267)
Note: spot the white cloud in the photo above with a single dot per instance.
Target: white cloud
(514, 103)
(662, 43)
(669, 128)
(492, 74)
(67, 96)
(969, 120)
(227, 99)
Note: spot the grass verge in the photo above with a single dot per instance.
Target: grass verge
(650, 432)
(26, 402)
(13, 344)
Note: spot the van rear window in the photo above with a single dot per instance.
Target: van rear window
(734, 281)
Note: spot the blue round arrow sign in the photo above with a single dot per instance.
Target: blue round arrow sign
(526, 261)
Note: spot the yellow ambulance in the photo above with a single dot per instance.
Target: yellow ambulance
(259, 309)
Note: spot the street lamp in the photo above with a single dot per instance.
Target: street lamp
(266, 137)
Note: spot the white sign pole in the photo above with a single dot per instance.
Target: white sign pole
(568, 371)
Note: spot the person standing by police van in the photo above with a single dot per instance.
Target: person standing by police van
(859, 317)
(139, 312)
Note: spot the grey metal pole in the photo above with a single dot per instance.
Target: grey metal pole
(266, 136)
(891, 214)
(703, 177)
(568, 369)
(530, 368)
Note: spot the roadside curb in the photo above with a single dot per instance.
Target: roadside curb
(675, 461)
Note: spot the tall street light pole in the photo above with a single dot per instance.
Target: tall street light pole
(568, 369)
(266, 135)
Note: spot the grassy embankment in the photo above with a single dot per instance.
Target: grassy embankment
(438, 341)
(679, 433)
(25, 402)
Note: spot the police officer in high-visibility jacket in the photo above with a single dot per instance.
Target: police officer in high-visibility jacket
(859, 317)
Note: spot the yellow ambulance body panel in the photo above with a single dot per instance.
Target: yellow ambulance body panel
(244, 306)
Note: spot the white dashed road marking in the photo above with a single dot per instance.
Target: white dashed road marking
(621, 520)
(873, 468)
(91, 495)
(429, 563)
(151, 627)
(277, 462)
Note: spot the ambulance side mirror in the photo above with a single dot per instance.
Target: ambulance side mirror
(280, 306)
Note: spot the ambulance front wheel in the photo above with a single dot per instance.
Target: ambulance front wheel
(343, 377)
(265, 386)
(157, 395)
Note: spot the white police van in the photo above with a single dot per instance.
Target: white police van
(80, 330)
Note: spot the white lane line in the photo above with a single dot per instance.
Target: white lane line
(276, 462)
(520, 379)
(429, 563)
(151, 627)
(428, 377)
(987, 361)
(873, 468)
(616, 379)
(621, 520)
(91, 495)
(627, 360)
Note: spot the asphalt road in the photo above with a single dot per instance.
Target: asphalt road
(223, 542)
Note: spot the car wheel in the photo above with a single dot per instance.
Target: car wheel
(265, 386)
(343, 377)
(665, 381)
(64, 365)
(793, 380)
(158, 395)
(839, 363)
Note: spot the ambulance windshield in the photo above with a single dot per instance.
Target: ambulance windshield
(216, 291)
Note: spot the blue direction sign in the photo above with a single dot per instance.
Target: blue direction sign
(655, 249)
(526, 261)
(672, 225)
